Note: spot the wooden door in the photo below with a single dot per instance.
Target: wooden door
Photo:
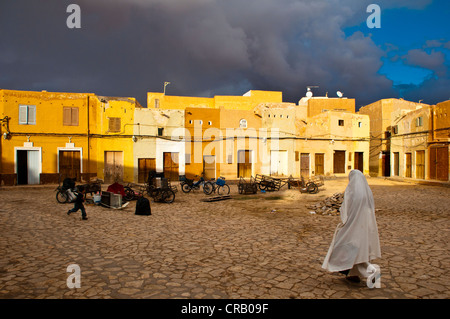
(420, 164)
(113, 166)
(319, 164)
(145, 166)
(209, 166)
(408, 168)
(278, 163)
(304, 164)
(339, 162)
(359, 161)
(396, 163)
(439, 163)
(171, 166)
(70, 165)
(244, 164)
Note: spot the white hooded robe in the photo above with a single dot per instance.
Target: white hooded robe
(355, 242)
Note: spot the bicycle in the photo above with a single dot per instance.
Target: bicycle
(218, 185)
(188, 184)
(65, 192)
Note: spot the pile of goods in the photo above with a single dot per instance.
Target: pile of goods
(329, 206)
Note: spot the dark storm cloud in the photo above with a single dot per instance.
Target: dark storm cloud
(203, 47)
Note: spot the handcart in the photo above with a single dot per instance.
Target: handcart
(161, 190)
(247, 187)
(269, 183)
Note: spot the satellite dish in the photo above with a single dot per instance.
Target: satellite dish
(339, 93)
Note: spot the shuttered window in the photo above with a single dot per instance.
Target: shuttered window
(114, 124)
(70, 116)
(27, 114)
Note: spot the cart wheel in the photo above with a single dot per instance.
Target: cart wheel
(262, 187)
(240, 188)
(129, 194)
(152, 191)
(312, 188)
(223, 190)
(208, 188)
(168, 196)
(62, 197)
(185, 187)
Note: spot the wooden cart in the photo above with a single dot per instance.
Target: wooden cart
(247, 187)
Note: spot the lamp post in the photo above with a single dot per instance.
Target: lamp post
(165, 84)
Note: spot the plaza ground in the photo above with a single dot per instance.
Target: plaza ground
(266, 245)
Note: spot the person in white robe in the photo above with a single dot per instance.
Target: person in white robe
(355, 242)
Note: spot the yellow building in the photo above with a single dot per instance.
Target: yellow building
(380, 113)
(245, 102)
(49, 136)
(111, 130)
(410, 135)
(439, 147)
(44, 137)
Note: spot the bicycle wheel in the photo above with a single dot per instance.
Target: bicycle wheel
(185, 187)
(168, 196)
(223, 190)
(208, 188)
(62, 197)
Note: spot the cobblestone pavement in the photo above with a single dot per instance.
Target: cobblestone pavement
(251, 246)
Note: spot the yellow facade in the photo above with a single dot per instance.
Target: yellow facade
(114, 138)
(380, 114)
(35, 129)
(112, 130)
(246, 102)
(51, 136)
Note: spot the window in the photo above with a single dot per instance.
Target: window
(359, 124)
(200, 122)
(160, 131)
(27, 114)
(419, 121)
(190, 121)
(243, 123)
(187, 158)
(341, 122)
(156, 103)
(114, 124)
(70, 116)
(209, 123)
(395, 129)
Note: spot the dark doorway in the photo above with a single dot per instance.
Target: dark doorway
(385, 164)
(22, 167)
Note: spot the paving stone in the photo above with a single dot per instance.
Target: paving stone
(229, 249)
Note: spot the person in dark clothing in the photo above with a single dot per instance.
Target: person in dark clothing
(79, 203)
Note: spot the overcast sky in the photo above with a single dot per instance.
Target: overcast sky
(227, 47)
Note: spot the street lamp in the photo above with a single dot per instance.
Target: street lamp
(165, 84)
